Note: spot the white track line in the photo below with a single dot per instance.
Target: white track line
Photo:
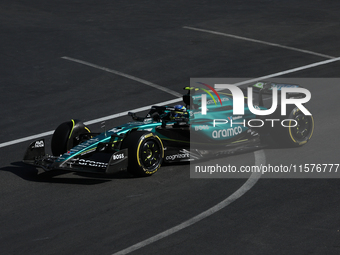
(258, 41)
(260, 158)
(32, 137)
(28, 138)
(176, 94)
(175, 100)
(288, 71)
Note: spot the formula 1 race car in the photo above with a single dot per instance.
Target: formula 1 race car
(170, 134)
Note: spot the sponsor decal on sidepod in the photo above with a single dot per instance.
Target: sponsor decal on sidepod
(227, 132)
(178, 156)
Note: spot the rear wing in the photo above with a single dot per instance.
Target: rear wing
(266, 87)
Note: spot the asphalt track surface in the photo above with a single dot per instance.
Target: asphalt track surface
(88, 214)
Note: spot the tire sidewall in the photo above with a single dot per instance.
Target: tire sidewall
(134, 142)
(296, 141)
(284, 136)
(145, 138)
(64, 137)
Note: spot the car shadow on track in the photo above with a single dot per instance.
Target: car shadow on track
(33, 174)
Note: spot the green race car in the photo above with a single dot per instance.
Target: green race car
(170, 134)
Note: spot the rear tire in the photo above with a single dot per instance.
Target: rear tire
(67, 135)
(299, 131)
(145, 151)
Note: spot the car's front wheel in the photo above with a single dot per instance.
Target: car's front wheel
(145, 151)
(67, 135)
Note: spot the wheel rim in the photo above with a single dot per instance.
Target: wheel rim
(150, 154)
(303, 128)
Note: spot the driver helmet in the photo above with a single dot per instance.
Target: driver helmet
(179, 112)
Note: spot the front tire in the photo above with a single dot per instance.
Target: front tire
(68, 135)
(145, 151)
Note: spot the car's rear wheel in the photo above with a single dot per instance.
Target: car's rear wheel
(68, 135)
(299, 128)
(145, 152)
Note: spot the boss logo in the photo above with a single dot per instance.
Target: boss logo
(118, 156)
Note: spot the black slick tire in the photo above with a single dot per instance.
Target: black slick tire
(67, 135)
(145, 151)
(298, 131)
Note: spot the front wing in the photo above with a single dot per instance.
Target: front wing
(96, 162)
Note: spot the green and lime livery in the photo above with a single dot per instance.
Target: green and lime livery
(165, 135)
